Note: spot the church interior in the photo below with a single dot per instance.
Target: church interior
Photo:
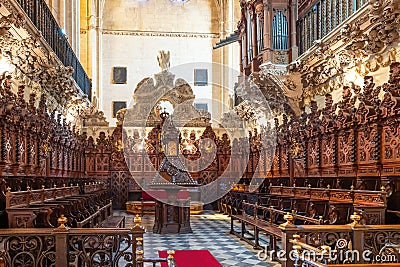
(199, 133)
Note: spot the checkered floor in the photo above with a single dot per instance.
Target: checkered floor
(210, 232)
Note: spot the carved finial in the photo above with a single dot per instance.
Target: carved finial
(289, 220)
(139, 255)
(297, 248)
(295, 241)
(55, 186)
(8, 189)
(352, 187)
(288, 217)
(137, 220)
(355, 218)
(383, 189)
(294, 185)
(309, 185)
(28, 188)
(43, 187)
(63, 185)
(171, 254)
(296, 238)
(139, 249)
(62, 221)
(328, 186)
(325, 249)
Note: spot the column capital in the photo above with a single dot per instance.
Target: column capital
(267, 4)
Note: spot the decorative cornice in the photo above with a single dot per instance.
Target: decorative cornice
(161, 34)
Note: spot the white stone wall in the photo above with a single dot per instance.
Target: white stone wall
(139, 55)
(134, 31)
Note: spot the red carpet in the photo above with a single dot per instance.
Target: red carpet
(192, 258)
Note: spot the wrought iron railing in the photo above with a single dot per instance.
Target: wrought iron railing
(330, 245)
(65, 246)
(41, 16)
(322, 18)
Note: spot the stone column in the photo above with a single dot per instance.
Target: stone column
(293, 30)
(254, 32)
(68, 19)
(59, 9)
(76, 27)
(241, 55)
(267, 30)
(96, 55)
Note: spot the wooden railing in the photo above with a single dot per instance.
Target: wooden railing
(42, 208)
(328, 245)
(41, 16)
(65, 246)
(25, 198)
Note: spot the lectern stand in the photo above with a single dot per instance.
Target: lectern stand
(172, 219)
(171, 184)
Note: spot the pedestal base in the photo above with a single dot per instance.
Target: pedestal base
(171, 219)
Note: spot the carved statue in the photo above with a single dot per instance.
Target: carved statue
(163, 60)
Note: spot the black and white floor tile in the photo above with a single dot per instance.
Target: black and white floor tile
(210, 232)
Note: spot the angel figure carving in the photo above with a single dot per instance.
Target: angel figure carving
(163, 60)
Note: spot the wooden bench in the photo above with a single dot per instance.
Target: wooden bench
(263, 220)
(34, 208)
(259, 225)
(42, 208)
(113, 222)
(103, 218)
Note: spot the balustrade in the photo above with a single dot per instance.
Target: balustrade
(40, 15)
(321, 245)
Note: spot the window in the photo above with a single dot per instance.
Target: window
(201, 106)
(116, 106)
(280, 37)
(200, 77)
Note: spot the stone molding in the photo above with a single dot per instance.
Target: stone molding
(161, 34)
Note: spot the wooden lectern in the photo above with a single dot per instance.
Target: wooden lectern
(170, 186)
(173, 219)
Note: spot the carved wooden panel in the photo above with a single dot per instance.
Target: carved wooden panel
(284, 161)
(328, 155)
(119, 188)
(275, 162)
(299, 168)
(313, 157)
(390, 149)
(368, 145)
